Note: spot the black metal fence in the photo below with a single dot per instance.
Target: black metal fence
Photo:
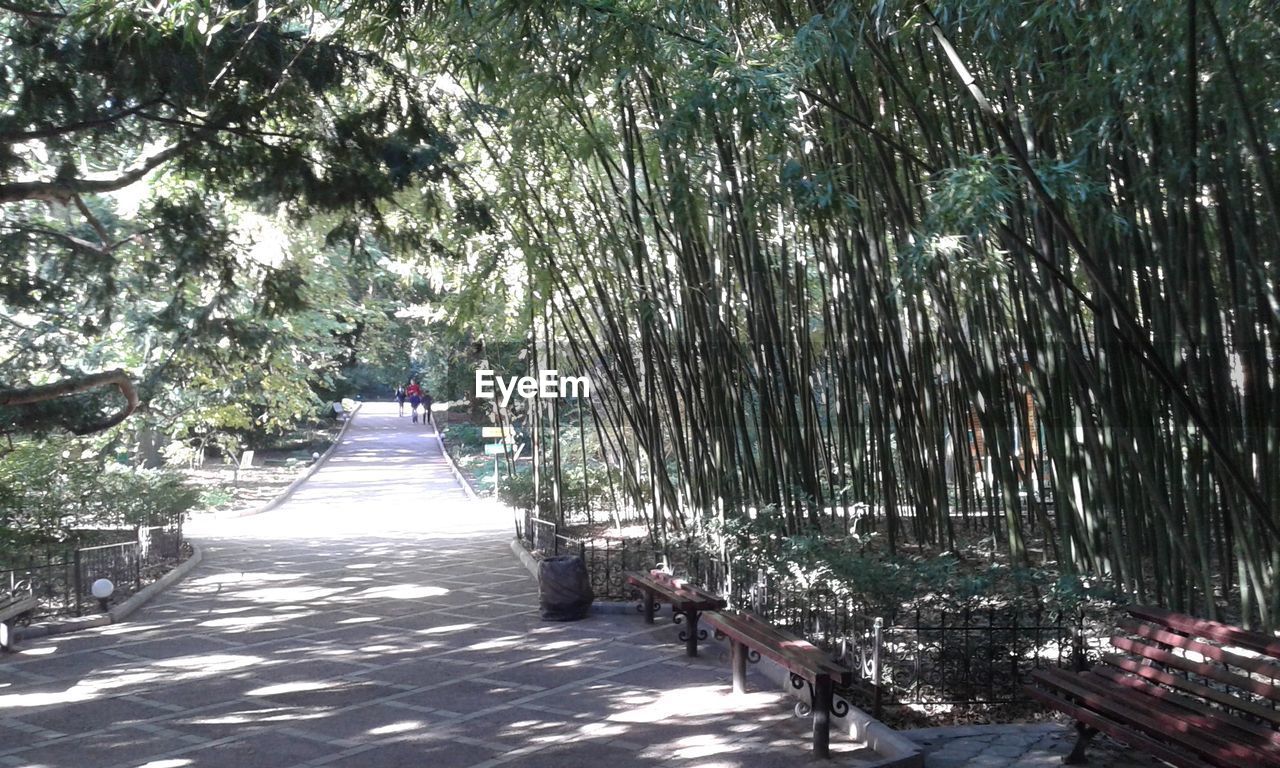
(936, 654)
(62, 581)
(607, 558)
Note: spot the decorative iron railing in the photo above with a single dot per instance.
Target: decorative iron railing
(62, 581)
(939, 655)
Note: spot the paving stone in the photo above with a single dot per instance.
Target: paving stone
(1006, 750)
(105, 748)
(1037, 745)
(263, 749)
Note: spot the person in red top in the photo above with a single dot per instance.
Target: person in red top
(414, 393)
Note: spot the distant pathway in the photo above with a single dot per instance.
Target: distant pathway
(376, 619)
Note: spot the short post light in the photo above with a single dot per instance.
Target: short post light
(102, 590)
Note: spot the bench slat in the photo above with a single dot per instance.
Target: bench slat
(1116, 730)
(1190, 686)
(683, 596)
(1114, 705)
(781, 648)
(1212, 630)
(1254, 731)
(1149, 693)
(1212, 735)
(1204, 669)
(17, 608)
(1262, 665)
(796, 654)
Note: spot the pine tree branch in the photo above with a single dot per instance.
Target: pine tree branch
(117, 378)
(103, 237)
(71, 240)
(63, 191)
(32, 13)
(97, 122)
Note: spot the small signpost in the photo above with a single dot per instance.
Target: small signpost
(497, 449)
(246, 461)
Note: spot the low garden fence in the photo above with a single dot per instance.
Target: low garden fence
(62, 581)
(953, 654)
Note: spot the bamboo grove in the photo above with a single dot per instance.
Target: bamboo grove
(989, 267)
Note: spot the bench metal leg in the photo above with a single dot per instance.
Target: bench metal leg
(1085, 735)
(738, 655)
(648, 607)
(691, 639)
(822, 717)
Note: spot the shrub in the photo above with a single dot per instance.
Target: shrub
(517, 491)
(856, 569)
(48, 491)
(464, 436)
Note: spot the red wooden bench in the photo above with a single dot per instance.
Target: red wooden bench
(807, 663)
(686, 601)
(1188, 691)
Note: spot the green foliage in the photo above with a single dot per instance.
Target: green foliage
(465, 436)
(246, 265)
(857, 569)
(516, 491)
(215, 498)
(49, 490)
(805, 265)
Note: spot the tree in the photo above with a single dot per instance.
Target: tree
(817, 270)
(132, 143)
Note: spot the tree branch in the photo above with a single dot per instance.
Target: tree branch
(32, 13)
(70, 240)
(103, 237)
(246, 132)
(45, 133)
(117, 378)
(64, 190)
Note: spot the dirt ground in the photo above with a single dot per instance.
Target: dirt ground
(226, 492)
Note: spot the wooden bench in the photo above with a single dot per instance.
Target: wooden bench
(686, 601)
(13, 605)
(749, 635)
(1188, 691)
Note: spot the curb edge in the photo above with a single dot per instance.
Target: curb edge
(120, 612)
(284, 495)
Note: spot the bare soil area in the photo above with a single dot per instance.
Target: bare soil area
(228, 492)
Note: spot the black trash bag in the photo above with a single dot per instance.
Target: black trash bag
(565, 588)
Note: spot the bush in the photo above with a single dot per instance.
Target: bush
(854, 568)
(517, 491)
(216, 498)
(48, 491)
(465, 437)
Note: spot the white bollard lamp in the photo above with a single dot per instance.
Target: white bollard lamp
(102, 590)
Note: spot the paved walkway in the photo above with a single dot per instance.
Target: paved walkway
(377, 619)
(1035, 745)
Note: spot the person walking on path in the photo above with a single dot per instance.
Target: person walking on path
(400, 396)
(426, 409)
(415, 397)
